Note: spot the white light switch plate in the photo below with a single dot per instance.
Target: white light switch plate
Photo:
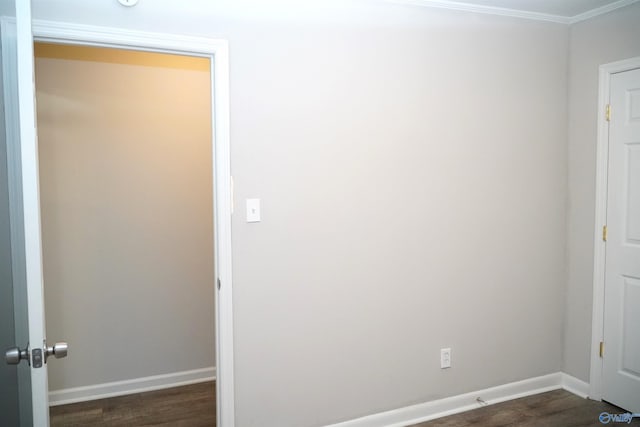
(253, 210)
(445, 358)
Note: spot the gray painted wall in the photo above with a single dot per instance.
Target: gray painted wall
(608, 38)
(126, 195)
(412, 165)
(413, 176)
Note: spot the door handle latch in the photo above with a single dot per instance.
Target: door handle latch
(14, 355)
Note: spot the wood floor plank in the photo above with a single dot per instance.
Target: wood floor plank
(557, 408)
(188, 406)
(194, 406)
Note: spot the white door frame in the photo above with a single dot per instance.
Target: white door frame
(218, 52)
(599, 251)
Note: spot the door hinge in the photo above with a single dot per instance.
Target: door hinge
(219, 284)
(601, 348)
(607, 112)
(604, 233)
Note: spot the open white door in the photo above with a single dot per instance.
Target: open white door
(29, 349)
(621, 360)
(15, 381)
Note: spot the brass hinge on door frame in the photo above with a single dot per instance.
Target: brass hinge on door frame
(604, 233)
(601, 348)
(607, 112)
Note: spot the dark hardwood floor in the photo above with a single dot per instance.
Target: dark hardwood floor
(194, 406)
(557, 408)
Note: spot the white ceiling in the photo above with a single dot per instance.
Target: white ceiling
(565, 11)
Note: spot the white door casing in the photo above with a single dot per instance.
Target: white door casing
(621, 360)
(217, 52)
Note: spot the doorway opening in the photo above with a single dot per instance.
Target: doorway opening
(17, 41)
(126, 197)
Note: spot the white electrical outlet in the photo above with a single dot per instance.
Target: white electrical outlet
(445, 358)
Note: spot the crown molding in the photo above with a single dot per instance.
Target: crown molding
(513, 13)
(487, 10)
(600, 10)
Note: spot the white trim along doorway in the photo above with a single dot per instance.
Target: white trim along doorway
(218, 53)
(599, 257)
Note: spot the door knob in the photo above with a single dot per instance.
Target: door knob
(14, 355)
(59, 350)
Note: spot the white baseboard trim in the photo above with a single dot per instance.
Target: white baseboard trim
(136, 385)
(464, 402)
(575, 386)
